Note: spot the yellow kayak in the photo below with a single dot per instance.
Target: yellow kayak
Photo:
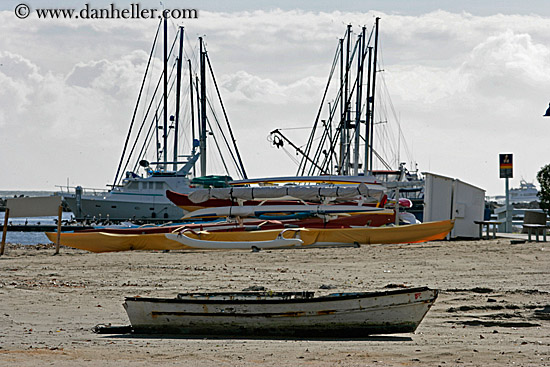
(106, 242)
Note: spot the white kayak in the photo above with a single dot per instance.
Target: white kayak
(259, 210)
(278, 242)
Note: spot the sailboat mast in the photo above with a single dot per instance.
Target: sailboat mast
(360, 63)
(203, 109)
(347, 106)
(342, 98)
(165, 95)
(192, 112)
(178, 95)
(192, 105)
(198, 114)
(367, 114)
(373, 90)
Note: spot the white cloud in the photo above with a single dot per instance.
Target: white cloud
(466, 87)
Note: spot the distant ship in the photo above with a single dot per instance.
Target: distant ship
(526, 193)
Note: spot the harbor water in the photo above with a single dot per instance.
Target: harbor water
(31, 238)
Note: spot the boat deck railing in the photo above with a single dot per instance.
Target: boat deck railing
(85, 190)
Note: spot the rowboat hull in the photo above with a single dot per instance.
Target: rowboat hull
(348, 315)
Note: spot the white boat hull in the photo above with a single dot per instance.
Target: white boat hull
(336, 316)
(260, 210)
(114, 208)
(278, 242)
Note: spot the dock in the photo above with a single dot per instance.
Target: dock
(45, 228)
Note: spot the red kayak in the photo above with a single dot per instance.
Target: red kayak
(359, 220)
(183, 201)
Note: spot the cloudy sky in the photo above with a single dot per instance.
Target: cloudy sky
(466, 80)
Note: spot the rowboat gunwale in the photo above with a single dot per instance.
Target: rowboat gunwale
(329, 297)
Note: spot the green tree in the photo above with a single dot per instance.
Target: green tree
(543, 176)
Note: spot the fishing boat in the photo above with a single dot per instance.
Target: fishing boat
(341, 142)
(281, 314)
(154, 163)
(107, 242)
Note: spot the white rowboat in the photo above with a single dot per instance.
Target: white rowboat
(284, 314)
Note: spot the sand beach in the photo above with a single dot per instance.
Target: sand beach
(493, 308)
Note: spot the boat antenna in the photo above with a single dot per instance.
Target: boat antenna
(136, 107)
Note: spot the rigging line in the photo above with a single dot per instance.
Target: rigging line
(400, 131)
(328, 158)
(378, 155)
(326, 135)
(321, 143)
(150, 81)
(291, 156)
(145, 119)
(146, 142)
(309, 143)
(343, 119)
(319, 148)
(216, 142)
(136, 107)
(148, 137)
(381, 159)
(295, 128)
(194, 54)
(334, 140)
(388, 129)
(226, 118)
(172, 81)
(224, 138)
(342, 123)
(333, 112)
